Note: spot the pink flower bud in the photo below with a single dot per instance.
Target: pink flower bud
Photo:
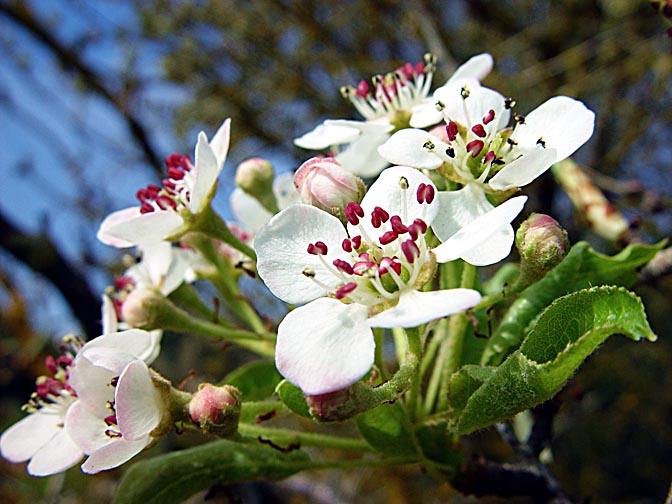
(216, 409)
(324, 183)
(542, 244)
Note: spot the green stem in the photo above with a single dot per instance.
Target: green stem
(214, 226)
(250, 410)
(437, 343)
(285, 437)
(185, 295)
(413, 395)
(352, 464)
(457, 326)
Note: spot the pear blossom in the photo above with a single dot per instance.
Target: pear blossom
(164, 211)
(118, 408)
(391, 102)
(366, 275)
(40, 438)
(483, 154)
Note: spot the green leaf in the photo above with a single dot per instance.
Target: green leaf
(565, 334)
(256, 381)
(293, 398)
(174, 477)
(581, 269)
(385, 429)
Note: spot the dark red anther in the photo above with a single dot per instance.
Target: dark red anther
(179, 161)
(398, 226)
(421, 224)
(388, 237)
(479, 130)
(344, 266)
(451, 130)
(166, 203)
(487, 118)
(345, 290)
(123, 282)
(318, 248)
(363, 89)
(146, 208)
(425, 193)
(357, 242)
(347, 245)
(353, 212)
(475, 147)
(489, 157)
(361, 267)
(175, 173)
(378, 216)
(419, 227)
(407, 70)
(64, 361)
(51, 365)
(419, 68)
(110, 420)
(169, 185)
(410, 250)
(387, 264)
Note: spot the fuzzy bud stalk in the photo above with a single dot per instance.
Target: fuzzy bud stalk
(255, 177)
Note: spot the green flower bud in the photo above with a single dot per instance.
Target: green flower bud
(542, 244)
(255, 177)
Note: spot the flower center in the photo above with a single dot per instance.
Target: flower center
(381, 264)
(393, 95)
(476, 150)
(55, 390)
(175, 191)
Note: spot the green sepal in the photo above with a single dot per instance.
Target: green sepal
(293, 398)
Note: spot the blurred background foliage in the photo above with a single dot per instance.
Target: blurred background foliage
(95, 93)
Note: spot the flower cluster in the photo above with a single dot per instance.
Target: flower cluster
(356, 259)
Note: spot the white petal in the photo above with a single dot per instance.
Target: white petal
(285, 191)
(93, 385)
(324, 346)
(486, 227)
(108, 315)
(151, 270)
(87, 428)
(220, 142)
(22, 440)
(281, 247)
(387, 194)
(137, 402)
(459, 208)
(525, 169)
(207, 171)
(405, 147)
(480, 101)
(136, 342)
(114, 454)
(416, 307)
(425, 114)
(326, 135)
(248, 211)
(128, 227)
(494, 249)
(476, 67)
(564, 124)
(361, 156)
(59, 454)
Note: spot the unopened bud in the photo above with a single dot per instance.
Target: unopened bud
(542, 244)
(255, 177)
(137, 310)
(216, 409)
(325, 184)
(333, 406)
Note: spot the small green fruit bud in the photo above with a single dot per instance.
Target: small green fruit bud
(216, 409)
(542, 244)
(255, 177)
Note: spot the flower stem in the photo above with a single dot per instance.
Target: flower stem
(457, 326)
(415, 348)
(379, 361)
(212, 225)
